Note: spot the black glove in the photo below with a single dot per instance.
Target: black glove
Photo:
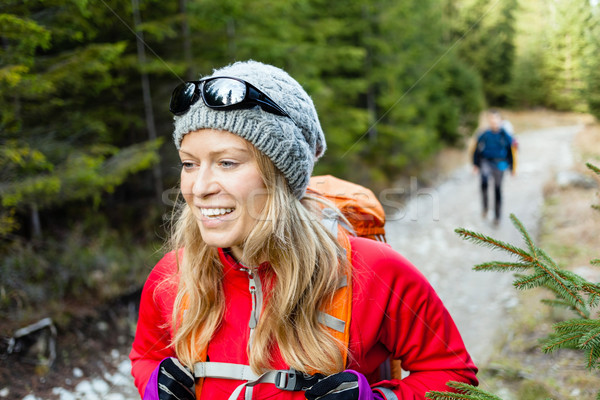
(171, 380)
(347, 385)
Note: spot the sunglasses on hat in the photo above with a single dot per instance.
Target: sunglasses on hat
(222, 93)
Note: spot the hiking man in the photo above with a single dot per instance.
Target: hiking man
(492, 156)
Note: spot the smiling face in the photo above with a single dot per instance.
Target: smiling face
(223, 186)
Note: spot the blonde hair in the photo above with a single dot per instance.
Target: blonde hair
(306, 262)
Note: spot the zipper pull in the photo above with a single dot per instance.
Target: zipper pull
(252, 288)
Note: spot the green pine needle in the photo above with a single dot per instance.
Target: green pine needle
(530, 281)
(590, 340)
(465, 392)
(576, 325)
(519, 225)
(593, 168)
(569, 341)
(479, 238)
(502, 266)
(592, 355)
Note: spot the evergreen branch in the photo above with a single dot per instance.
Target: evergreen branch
(519, 225)
(434, 395)
(560, 342)
(465, 391)
(576, 325)
(591, 288)
(530, 281)
(548, 259)
(564, 288)
(593, 168)
(592, 356)
(573, 277)
(593, 291)
(502, 266)
(591, 339)
(581, 310)
(488, 241)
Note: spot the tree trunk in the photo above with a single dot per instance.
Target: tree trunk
(187, 40)
(36, 226)
(231, 47)
(371, 96)
(150, 125)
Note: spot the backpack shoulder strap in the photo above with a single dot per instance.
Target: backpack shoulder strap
(336, 315)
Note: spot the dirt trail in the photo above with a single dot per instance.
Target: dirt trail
(423, 231)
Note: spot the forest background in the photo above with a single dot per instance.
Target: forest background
(87, 166)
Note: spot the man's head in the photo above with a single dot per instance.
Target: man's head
(494, 120)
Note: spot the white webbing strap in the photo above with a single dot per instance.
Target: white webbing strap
(267, 377)
(224, 371)
(283, 379)
(330, 220)
(332, 322)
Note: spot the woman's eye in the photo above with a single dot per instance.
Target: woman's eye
(227, 164)
(187, 165)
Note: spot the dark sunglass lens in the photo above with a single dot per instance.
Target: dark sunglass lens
(182, 98)
(220, 92)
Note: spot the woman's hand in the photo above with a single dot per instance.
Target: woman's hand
(171, 380)
(347, 385)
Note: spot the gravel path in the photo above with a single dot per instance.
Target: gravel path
(423, 231)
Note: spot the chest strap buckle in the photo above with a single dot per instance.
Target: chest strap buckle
(292, 380)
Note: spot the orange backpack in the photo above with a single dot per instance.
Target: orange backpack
(357, 203)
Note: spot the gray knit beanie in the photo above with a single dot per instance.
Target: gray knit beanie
(293, 146)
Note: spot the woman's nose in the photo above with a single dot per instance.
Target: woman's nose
(206, 183)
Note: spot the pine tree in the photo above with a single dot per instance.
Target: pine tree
(591, 62)
(59, 111)
(571, 291)
(488, 32)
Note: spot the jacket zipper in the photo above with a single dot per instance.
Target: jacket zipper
(255, 289)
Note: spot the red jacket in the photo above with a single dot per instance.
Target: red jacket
(395, 312)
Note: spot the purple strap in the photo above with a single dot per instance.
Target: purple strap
(364, 389)
(151, 392)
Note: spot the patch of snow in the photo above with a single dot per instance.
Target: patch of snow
(63, 394)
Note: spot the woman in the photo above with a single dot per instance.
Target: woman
(235, 309)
